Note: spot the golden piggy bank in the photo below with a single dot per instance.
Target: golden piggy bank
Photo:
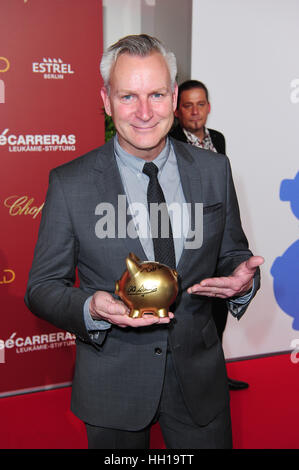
(147, 287)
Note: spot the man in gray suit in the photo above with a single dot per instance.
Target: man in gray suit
(132, 372)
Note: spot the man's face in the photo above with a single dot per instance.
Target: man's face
(193, 110)
(141, 103)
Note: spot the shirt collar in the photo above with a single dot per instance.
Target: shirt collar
(192, 137)
(135, 163)
(206, 142)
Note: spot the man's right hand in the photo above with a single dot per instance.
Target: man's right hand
(104, 307)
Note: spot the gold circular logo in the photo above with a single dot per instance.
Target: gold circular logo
(7, 64)
(7, 279)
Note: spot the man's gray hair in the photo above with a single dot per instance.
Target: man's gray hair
(138, 45)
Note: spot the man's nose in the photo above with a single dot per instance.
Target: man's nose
(194, 109)
(144, 110)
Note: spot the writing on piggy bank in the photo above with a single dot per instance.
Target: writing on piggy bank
(147, 287)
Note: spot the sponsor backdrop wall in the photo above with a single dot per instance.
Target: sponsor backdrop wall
(50, 113)
(247, 54)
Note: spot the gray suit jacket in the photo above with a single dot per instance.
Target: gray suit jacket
(119, 373)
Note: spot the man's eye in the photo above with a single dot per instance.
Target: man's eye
(157, 95)
(127, 98)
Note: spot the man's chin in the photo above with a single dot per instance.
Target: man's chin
(151, 146)
(196, 126)
(143, 147)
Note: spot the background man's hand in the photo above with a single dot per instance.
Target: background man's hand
(104, 307)
(235, 285)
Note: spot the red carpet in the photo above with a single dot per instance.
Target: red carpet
(265, 416)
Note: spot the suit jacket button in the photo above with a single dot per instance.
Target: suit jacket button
(158, 351)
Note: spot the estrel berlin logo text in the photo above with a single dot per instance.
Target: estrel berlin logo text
(52, 68)
(38, 142)
(22, 205)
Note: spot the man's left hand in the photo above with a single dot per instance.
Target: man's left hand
(235, 285)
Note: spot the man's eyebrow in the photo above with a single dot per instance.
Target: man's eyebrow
(161, 89)
(126, 92)
(192, 102)
(134, 92)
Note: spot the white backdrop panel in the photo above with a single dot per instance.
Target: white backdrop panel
(247, 55)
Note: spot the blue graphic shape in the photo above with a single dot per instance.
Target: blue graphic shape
(286, 282)
(289, 191)
(285, 269)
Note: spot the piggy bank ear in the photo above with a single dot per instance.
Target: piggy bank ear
(132, 266)
(134, 258)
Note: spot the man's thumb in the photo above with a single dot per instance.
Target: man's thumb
(253, 262)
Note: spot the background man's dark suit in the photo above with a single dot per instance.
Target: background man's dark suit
(219, 307)
(216, 136)
(119, 372)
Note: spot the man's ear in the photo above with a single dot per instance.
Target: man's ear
(175, 96)
(106, 100)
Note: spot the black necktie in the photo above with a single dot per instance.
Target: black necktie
(163, 246)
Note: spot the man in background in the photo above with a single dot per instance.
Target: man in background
(193, 108)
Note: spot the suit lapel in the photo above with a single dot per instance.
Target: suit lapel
(109, 186)
(192, 189)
